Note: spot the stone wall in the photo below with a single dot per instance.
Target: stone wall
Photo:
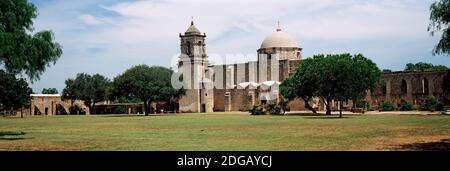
(411, 86)
(53, 105)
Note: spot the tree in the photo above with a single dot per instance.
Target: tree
(20, 51)
(340, 77)
(303, 84)
(421, 66)
(125, 100)
(439, 21)
(90, 89)
(355, 75)
(149, 84)
(49, 91)
(14, 93)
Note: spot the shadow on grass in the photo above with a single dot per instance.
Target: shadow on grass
(443, 145)
(135, 115)
(12, 139)
(9, 135)
(119, 115)
(305, 114)
(321, 114)
(326, 117)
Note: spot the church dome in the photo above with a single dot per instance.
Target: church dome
(279, 39)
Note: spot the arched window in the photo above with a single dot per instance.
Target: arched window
(384, 87)
(188, 46)
(425, 86)
(403, 88)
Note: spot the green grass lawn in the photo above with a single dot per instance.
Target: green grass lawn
(226, 131)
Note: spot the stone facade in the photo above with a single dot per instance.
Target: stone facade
(52, 104)
(412, 87)
(193, 63)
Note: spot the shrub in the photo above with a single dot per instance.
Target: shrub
(406, 107)
(431, 103)
(447, 107)
(362, 104)
(440, 107)
(76, 110)
(416, 107)
(386, 106)
(120, 110)
(257, 110)
(274, 109)
(284, 105)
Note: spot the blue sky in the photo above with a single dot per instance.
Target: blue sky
(110, 36)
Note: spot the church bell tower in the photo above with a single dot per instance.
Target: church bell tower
(193, 64)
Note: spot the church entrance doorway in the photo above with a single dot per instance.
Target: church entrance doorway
(203, 108)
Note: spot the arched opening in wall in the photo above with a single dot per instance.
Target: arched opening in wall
(188, 46)
(425, 86)
(403, 88)
(60, 110)
(446, 85)
(203, 108)
(384, 88)
(37, 111)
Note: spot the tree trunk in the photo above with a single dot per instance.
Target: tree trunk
(340, 109)
(93, 109)
(71, 106)
(309, 106)
(90, 109)
(146, 108)
(328, 105)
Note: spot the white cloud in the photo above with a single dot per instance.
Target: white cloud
(92, 20)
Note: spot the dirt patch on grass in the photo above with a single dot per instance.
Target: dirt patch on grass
(29, 144)
(418, 142)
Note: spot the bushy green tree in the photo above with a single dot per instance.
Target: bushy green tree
(303, 84)
(90, 89)
(49, 91)
(421, 66)
(20, 50)
(14, 92)
(339, 77)
(439, 21)
(126, 100)
(149, 84)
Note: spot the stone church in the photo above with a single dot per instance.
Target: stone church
(237, 87)
(234, 87)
